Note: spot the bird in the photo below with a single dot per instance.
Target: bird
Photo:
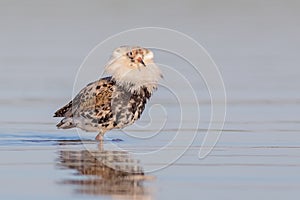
(116, 100)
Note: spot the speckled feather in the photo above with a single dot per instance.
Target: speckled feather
(115, 101)
(103, 105)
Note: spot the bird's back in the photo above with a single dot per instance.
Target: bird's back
(103, 105)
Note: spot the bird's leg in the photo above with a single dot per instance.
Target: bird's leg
(100, 135)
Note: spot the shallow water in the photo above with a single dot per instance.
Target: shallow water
(253, 159)
(257, 156)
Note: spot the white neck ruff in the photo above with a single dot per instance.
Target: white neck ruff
(134, 78)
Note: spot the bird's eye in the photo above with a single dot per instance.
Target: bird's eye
(129, 54)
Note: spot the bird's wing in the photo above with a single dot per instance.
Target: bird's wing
(94, 98)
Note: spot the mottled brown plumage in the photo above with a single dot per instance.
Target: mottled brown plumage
(103, 105)
(115, 101)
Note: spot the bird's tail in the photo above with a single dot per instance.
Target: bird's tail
(66, 123)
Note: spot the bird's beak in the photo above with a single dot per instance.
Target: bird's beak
(140, 60)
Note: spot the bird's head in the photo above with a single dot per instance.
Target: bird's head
(133, 67)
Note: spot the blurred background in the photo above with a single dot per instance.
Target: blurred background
(254, 43)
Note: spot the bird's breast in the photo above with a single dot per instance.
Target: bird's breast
(128, 107)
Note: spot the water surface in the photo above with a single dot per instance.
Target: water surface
(255, 45)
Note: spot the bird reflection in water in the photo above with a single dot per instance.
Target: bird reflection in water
(107, 173)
